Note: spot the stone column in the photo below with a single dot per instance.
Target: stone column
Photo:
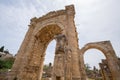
(59, 61)
(113, 62)
(82, 66)
(41, 68)
(58, 68)
(72, 41)
(114, 68)
(106, 74)
(67, 64)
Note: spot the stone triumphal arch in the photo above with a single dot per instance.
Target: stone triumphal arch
(106, 48)
(29, 61)
(68, 61)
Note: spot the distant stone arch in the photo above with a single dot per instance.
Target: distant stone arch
(107, 49)
(30, 57)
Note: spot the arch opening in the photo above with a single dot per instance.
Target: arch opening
(98, 47)
(50, 52)
(49, 60)
(45, 37)
(92, 58)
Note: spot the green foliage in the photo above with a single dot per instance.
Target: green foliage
(6, 64)
(87, 67)
(2, 49)
(5, 51)
(45, 67)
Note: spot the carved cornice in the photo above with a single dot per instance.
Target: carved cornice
(48, 16)
(51, 15)
(69, 9)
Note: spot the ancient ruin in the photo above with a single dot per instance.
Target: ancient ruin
(107, 49)
(68, 62)
(106, 73)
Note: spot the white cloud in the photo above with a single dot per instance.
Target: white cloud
(13, 24)
(96, 20)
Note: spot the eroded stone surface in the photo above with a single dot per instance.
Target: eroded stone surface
(30, 57)
(111, 58)
(106, 73)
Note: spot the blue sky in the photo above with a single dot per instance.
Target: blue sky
(96, 20)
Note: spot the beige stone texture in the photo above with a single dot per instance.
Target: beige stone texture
(30, 57)
(108, 51)
(106, 73)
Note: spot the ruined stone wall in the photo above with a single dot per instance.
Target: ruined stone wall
(108, 51)
(106, 74)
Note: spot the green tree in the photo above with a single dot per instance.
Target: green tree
(2, 49)
(6, 64)
(45, 67)
(87, 67)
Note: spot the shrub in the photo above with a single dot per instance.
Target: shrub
(6, 64)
